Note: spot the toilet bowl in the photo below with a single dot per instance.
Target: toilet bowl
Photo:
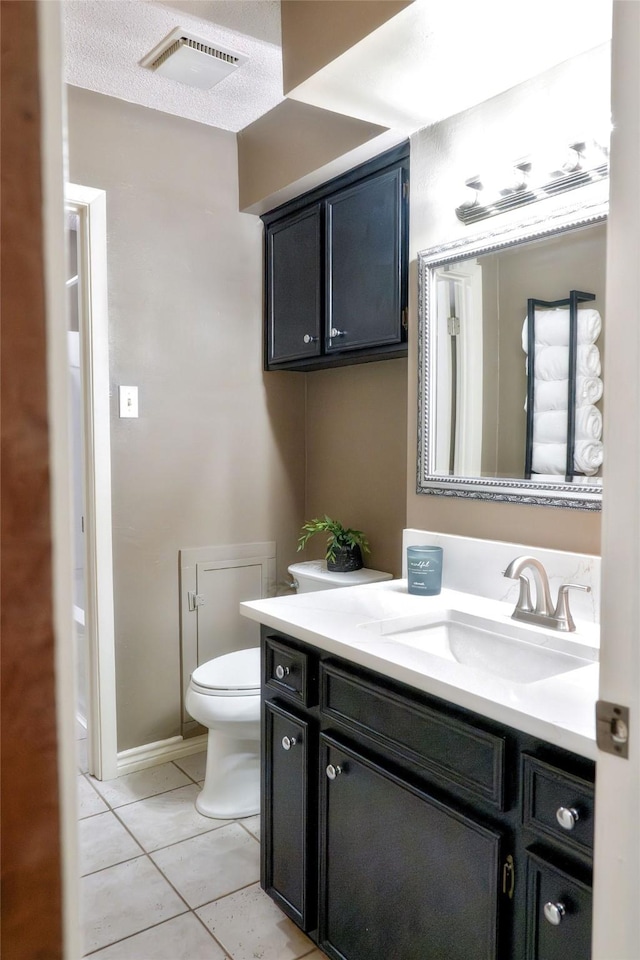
(224, 696)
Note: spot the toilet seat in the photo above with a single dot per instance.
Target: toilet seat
(234, 674)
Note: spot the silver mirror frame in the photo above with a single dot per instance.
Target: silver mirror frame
(586, 496)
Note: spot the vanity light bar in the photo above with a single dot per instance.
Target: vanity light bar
(522, 191)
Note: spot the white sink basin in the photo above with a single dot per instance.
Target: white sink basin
(502, 649)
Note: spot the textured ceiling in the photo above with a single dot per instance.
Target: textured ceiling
(106, 39)
(435, 58)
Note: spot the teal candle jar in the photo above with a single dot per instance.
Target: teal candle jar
(424, 570)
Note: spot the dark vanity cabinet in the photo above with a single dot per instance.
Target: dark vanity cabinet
(396, 825)
(336, 265)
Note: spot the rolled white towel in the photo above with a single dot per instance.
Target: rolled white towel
(551, 327)
(550, 426)
(552, 363)
(554, 394)
(588, 456)
(588, 390)
(552, 457)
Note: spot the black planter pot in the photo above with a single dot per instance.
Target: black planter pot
(346, 559)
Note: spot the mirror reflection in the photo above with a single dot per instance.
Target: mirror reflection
(475, 349)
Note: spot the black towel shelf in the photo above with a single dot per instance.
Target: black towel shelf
(575, 297)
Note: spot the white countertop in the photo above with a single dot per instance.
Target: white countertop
(560, 710)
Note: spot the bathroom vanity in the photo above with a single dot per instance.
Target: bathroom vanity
(417, 807)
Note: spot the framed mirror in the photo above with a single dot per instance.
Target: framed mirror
(491, 424)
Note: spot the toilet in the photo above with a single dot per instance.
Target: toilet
(224, 696)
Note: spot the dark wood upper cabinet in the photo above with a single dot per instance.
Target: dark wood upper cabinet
(336, 270)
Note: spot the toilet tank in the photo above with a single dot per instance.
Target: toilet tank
(312, 575)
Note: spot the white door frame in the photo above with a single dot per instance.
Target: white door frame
(90, 206)
(616, 934)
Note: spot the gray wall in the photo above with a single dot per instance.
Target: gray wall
(217, 454)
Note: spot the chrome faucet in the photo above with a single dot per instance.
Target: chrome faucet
(542, 613)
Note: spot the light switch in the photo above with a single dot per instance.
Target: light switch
(128, 401)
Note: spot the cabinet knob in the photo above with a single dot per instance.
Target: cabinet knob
(309, 339)
(282, 672)
(333, 771)
(554, 912)
(337, 333)
(288, 742)
(567, 817)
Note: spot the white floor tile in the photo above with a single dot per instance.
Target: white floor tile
(167, 818)
(211, 865)
(89, 803)
(122, 900)
(252, 824)
(194, 765)
(104, 842)
(141, 784)
(183, 938)
(248, 925)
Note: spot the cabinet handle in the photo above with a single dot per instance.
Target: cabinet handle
(567, 817)
(309, 339)
(333, 772)
(288, 742)
(337, 333)
(554, 912)
(508, 877)
(282, 672)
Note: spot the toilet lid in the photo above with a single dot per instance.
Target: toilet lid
(233, 671)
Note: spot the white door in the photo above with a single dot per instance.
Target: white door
(617, 847)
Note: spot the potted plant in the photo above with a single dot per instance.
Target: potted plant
(344, 545)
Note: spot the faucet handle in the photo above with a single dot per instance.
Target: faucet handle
(562, 612)
(524, 597)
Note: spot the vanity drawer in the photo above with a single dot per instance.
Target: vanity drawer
(289, 671)
(453, 752)
(559, 910)
(557, 805)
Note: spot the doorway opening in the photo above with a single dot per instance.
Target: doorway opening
(88, 356)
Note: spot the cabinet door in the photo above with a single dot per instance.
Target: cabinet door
(364, 276)
(288, 825)
(558, 913)
(294, 295)
(402, 875)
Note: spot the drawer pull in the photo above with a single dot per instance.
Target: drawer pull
(282, 672)
(288, 742)
(337, 333)
(333, 772)
(309, 339)
(567, 817)
(554, 912)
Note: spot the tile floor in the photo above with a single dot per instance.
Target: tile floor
(161, 882)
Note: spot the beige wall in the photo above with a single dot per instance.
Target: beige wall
(290, 143)
(442, 158)
(357, 454)
(315, 32)
(216, 455)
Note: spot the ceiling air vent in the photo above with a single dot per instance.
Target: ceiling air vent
(192, 60)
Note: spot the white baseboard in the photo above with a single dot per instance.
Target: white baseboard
(152, 754)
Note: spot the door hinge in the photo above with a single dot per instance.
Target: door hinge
(508, 877)
(195, 600)
(405, 190)
(453, 326)
(612, 728)
(405, 319)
